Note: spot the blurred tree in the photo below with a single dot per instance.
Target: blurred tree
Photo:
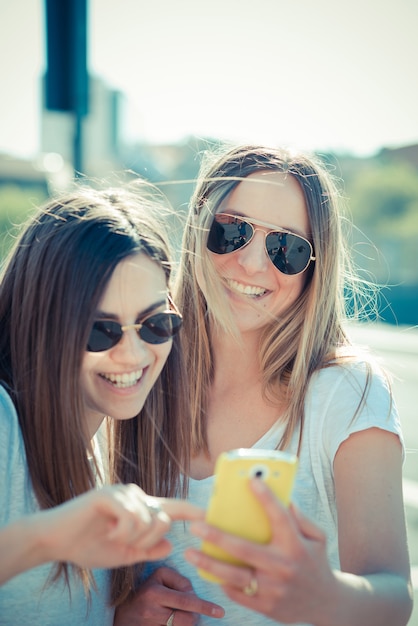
(385, 195)
(16, 204)
(383, 199)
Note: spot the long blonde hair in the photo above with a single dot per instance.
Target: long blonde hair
(306, 337)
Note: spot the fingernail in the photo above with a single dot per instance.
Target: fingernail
(217, 611)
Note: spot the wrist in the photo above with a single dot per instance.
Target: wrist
(40, 540)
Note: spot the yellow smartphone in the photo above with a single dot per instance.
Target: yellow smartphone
(234, 508)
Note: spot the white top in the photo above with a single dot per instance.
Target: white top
(23, 599)
(331, 403)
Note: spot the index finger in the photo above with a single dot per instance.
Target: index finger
(178, 509)
(189, 602)
(283, 525)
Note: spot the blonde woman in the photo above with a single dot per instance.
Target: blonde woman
(262, 286)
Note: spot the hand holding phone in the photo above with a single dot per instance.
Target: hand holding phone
(234, 508)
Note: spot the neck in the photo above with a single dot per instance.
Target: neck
(237, 357)
(94, 421)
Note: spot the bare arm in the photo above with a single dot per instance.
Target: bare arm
(294, 579)
(372, 530)
(106, 527)
(21, 546)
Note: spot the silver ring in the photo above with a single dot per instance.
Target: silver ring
(252, 588)
(153, 506)
(170, 620)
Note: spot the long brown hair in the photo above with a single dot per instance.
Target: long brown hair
(305, 338)
(49, 292)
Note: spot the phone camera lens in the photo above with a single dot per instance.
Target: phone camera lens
(259, 471)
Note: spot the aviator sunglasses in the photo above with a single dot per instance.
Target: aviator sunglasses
(289, 253)
(154, 329)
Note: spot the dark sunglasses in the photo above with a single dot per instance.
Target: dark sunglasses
(289, 253)
(157, 328)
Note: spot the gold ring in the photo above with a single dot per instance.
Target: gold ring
(252, 588)
(170, 620)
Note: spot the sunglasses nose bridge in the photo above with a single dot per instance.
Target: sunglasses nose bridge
(127, 327)
(131, 333)
(262, 238)
(254, 254)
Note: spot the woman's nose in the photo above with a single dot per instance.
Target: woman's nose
(253, 257)
(131, 347)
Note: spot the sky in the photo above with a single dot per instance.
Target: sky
(320, 75)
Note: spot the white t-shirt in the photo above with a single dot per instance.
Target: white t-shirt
(331, 403)
(23, 599)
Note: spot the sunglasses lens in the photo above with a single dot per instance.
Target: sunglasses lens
(104, 335)
(155, 329)
(228, 233)
(160, 328)
(288, 252)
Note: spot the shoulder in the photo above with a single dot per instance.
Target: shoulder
(16, 494)
(356, 376)
(12, 448)
(8, 416)
(349, 396)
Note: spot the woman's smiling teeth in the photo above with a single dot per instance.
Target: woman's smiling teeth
(122, 381)
(247, 290)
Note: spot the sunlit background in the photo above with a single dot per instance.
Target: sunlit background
(319, 74)
(167, 78)
(322, 74)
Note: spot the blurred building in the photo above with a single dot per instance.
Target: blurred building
(101, 132)
(22, 173)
